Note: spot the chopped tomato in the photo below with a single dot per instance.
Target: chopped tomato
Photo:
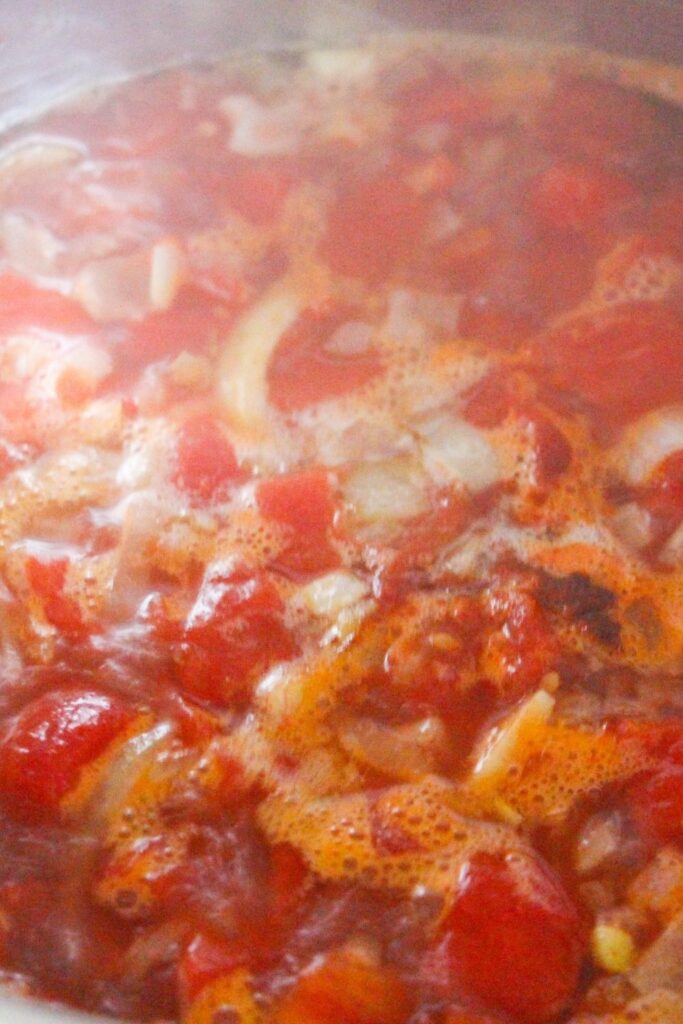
(373, 229)
(656, 796)
(623, 361)
(521, 646)
(288, 873)
(597, 119)
(303, 504)
(206, 464)
(47, 580)
(512, 938)
(23, 305)
(576, 196)
(345, 988)
(235, 629)
(552, 450)
(207, 957)
(304, 371)
(420, 543)
(11, 456)
(257, 192)
(663, 493)
(488, 402)
(52, 739)
(190, 324)
(440, 99)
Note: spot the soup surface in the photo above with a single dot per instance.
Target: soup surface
(341, 543)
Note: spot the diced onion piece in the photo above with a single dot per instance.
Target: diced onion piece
(599, 840)
(661, 965)
(328, 595)
(658, 888)
(453, 451)
(259, 130)
(632, 525)
(412, 314)
(613, 948)
(243, 371)
(648, 442)
(403, 752)
(166, 273)
(386, 491)
(501, 746)
(129, 764)
(116, 288)
(672, 552)
(343, 66)
(31, 248)
(190, 371)
(36, 155)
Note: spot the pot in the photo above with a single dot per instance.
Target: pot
(56, 47)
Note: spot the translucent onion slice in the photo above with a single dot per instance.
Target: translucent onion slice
(501, 746)
(243, 370)
(648, 441)
(661, 966)
(453, 451)
(386, 491)
(330, 594)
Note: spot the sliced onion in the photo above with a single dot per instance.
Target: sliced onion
(403, 752)
(35, 155)
(166, 273)
(328, 595)
(386, 491)
(599, 840)
(258, 130)
(129, 764)
(658, 888)
(453, 451)
(661, 965)
(116, 288)
(632, 524)
(672, 552)
(648, 441)
(31, 248)
(243, 371)
(501, 746)
(343, 66)
(412, 315)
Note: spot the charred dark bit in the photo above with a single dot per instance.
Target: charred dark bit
(576, 596)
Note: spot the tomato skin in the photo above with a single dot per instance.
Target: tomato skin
(22, 304)
(552, 450)
(441, 99)
(656, 796)
(373, 229)
(342, 988)
(512, 938)
(206, 464)
(52, 739)
(47, 580)
(302, 372)
(521, 646)
(207, 957)
(663, 493)
(594, 119)
(234, 630)
(623, 361)
(575, 196)
(302, 503)
(258, 193)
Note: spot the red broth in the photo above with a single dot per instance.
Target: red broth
(341, 542)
